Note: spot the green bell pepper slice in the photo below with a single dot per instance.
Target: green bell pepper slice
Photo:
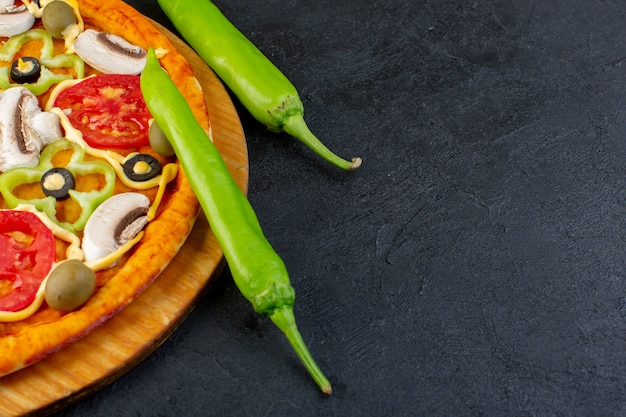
(87, 200)
(47, 59)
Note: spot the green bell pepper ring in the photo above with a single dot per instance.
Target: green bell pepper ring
(87, 200)
(258, 271)
(265, 91)
(47, 59)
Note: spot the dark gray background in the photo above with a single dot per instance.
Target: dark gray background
(474, 265)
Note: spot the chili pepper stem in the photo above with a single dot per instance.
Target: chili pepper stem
(295, 126)
(285, 320)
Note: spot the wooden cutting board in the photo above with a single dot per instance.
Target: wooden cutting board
(122, 342)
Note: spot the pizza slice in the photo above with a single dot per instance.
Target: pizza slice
(94, 194)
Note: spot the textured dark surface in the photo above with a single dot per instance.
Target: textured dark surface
(474, 266)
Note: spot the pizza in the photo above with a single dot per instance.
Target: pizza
(87, 193)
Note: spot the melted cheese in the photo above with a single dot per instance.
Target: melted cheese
(54, 182)
(114, 159)
(141, 167)
(169, 173)
(102, 263)
(8, 316)
(73, 250)
(24, 66)
(59, 88)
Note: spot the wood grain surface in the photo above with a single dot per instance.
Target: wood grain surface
(130, 336)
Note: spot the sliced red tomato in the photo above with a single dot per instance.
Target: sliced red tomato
(27, 255)
(109, 110)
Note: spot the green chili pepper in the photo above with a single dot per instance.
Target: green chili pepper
(47, 59)
(258, 271)
(265, 91)
(87, 200)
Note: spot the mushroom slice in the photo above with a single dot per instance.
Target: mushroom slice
(14, 20)
(116, 221)
(46, 125)
(24, 128)
(110, 54)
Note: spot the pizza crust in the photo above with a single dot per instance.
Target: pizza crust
(49, 331)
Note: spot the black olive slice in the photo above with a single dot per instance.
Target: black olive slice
(25, 70)
(57, 182)
(142, 167)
